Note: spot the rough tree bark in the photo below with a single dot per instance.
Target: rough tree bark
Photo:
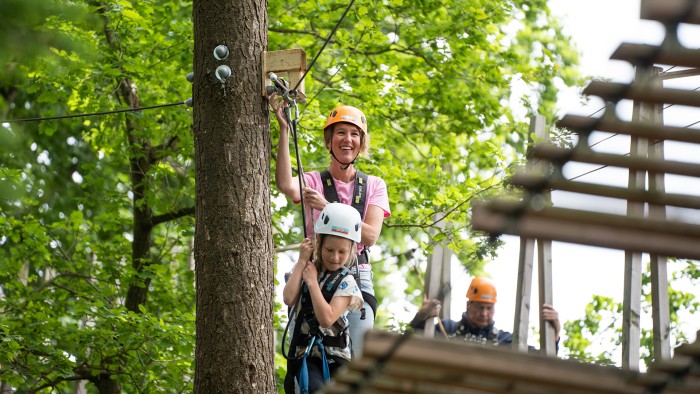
(233, 239)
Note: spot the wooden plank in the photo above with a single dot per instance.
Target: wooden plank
(632, 290)
(645, 54)
(668, 238)
(535, 183)
(289, 64)
(544, 252)
(585, 125)
(463, 365)
(660, 312)
(690, 349)
(562, 155)
(671, 11)
(615, 91)
(521, 326)
(523, 291)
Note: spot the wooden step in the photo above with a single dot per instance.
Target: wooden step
(585, 125)
(644, 55)
(671, 11)
(614, 91)
(536, 184)
(561, 156)
(635, 234)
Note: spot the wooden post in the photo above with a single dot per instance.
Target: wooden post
(438, 279)
(548, 341)
(289, 63)
(525, 264)
(631, 304)
(522, 293)
(659, 273)
(433, 274)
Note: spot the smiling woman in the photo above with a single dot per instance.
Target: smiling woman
(346, 138)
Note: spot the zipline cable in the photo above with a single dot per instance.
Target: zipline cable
(117, 111)
(289, 96)
(328, 39)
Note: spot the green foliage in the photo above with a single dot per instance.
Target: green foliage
(600, 330)
(446, 94)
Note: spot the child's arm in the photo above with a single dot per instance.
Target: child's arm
(292, 289)
(326, 313)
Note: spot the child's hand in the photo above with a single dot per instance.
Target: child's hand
(305, 250)
(310, 275)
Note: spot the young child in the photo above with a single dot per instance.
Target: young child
(322, 293)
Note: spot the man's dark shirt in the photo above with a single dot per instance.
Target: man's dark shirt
(470, 333)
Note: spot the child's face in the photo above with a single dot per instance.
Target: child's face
(335, 252)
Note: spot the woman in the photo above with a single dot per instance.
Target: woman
(345, 137)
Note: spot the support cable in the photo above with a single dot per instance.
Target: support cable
(117, 111)
(289, 96)
(337, 25)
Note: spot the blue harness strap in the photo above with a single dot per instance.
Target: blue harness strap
(303, 378)
(314, 337)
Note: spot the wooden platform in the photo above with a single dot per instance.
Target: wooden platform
(395, 363)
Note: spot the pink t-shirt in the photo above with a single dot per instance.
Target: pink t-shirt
(376, 195)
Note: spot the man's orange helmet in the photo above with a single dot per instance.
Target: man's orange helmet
(482, 290)
(348, 114)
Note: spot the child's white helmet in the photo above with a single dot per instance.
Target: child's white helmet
(340, 220)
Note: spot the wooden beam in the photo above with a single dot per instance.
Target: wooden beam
(562, 155)
(668, 238)
(289, 64)
(423, 365)
(671, 11)
(536, 183)
(644, 55)
(586, 125)
(614, 91)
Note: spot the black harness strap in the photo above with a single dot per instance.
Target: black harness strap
(359, 195)
(306, 313)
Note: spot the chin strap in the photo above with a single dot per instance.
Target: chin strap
(344, 166)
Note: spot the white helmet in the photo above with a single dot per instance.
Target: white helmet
(340, 220)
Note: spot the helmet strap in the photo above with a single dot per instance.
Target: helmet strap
(344, 166)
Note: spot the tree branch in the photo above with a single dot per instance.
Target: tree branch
(158, 219)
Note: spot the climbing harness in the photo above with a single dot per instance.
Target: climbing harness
(358, 202)
(307, 334)
(359, 194)
(304, 370)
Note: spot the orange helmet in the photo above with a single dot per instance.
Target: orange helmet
(482, 290)
(348, 114)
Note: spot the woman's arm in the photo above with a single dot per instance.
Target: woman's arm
(286, 183)
(372, 225)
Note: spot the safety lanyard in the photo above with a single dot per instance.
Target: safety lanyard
(304, 370)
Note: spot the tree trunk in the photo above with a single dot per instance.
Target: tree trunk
(233, 238)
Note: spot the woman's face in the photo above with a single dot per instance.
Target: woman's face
(346, 141)
(335, 252)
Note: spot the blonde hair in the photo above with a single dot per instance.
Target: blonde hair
(318, 245)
